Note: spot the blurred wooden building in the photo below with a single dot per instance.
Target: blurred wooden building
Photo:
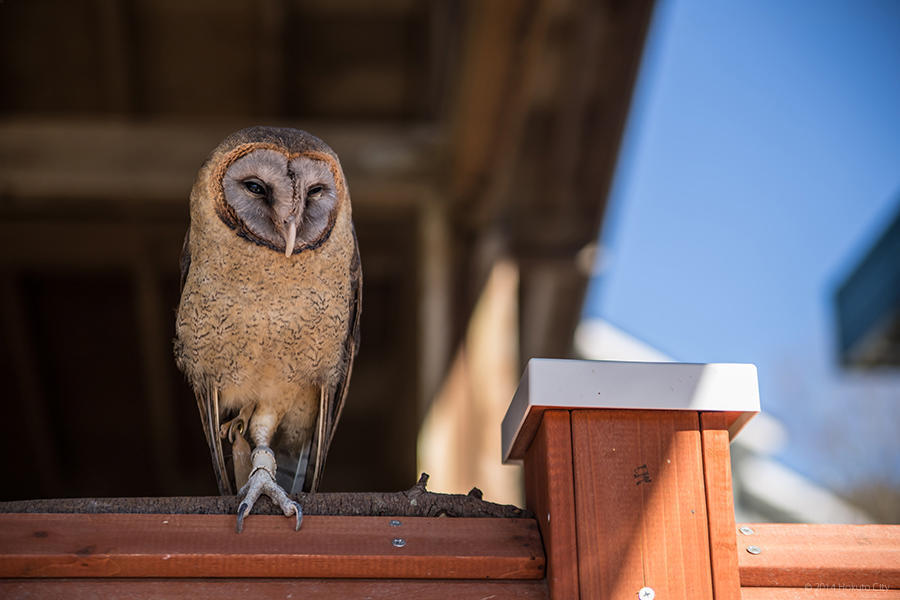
(479, 139)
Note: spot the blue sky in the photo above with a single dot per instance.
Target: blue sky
(761, 157)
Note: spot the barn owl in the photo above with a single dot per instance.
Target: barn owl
(268, 323)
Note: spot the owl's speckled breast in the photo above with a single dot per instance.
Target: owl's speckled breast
(250, 313)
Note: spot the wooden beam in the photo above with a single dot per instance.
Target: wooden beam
(550, 296)
(481, 113)
(640, 506)
(435, 293)
(541, 108)
(624, 27)
(115, 545)
(553, 133)
(575, 132)
(270, 94)
(720, 505)
(69, 244)
(825, 556)
(499, 79)
(550, 494)
(125, 162)
(116, 53)
(271, 589)
(818, 593)
(444, 49)
(544, 89)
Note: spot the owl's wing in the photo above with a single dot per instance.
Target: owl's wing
(331, 402)
(351, 343)
(207, 397)
(185, 261)
(208, 404)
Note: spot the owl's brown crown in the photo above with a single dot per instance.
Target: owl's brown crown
(292, 141)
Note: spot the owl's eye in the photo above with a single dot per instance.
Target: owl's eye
(316, 189)
(255, 187)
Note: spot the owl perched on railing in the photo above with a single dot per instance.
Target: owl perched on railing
(268, 324)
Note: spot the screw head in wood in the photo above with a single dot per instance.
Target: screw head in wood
(395, 523)
(754, 549)
(646, 593)
(746, 530)
(398, 542)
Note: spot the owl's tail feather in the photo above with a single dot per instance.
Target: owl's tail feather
(298, 477)
(320, 441)
(292, 471)
(302, 471)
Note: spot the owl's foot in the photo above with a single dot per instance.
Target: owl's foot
(262, 481)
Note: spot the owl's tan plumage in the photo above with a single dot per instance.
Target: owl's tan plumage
(264, 333)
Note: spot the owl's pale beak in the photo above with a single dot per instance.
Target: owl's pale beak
(290, 237)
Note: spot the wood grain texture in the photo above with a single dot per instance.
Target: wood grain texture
(800, 555)
(720, 506)
(51, 545)
(527, 431)
(550, 494)
(790, 593)
(265, 589)
(640, 505)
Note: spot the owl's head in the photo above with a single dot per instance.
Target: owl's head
(277, 187)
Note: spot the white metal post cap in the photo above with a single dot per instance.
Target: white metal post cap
(571, 384)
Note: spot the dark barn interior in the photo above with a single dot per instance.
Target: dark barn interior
(470, 132)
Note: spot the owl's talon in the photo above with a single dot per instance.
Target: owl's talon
(299, 512)
(262, 481)
(242, 509)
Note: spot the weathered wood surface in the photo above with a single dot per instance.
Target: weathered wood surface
(266, 589)
(821, 556)
(114, 545)
(640, 504)
(550, 491)
(414, 502)
(720, 506)
(814, 593)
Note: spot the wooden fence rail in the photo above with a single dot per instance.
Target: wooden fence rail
(631, 493)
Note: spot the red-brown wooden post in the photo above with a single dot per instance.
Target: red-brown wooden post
(627, 470)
